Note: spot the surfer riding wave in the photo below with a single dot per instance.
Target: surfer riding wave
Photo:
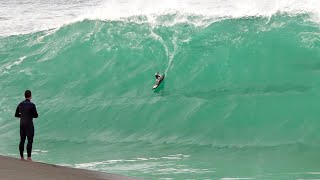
(159, 79)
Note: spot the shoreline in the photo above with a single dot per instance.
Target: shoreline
(15, 169)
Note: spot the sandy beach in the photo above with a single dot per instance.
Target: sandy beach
(15, 169)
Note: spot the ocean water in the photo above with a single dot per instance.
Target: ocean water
(240, 99)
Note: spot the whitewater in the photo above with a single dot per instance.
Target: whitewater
(240, 99)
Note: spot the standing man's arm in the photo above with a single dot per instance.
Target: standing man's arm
(35, 113)
(17, 114)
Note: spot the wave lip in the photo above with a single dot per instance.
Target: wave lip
(56, 15)
(210, 8)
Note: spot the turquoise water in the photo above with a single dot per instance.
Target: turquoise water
(240, 99)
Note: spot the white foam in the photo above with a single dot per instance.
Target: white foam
(139, 159)
(16, 62)
(5, 69)
(52, 15)
(40, 151)
(117, 10)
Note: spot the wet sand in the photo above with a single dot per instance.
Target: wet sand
(15, 169)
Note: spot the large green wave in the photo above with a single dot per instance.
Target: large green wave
(233, 83)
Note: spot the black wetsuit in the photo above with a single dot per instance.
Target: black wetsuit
(26, 110)
(158, 78)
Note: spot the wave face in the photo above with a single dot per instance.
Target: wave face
(240, 99)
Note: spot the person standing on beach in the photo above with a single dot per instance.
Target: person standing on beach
(26, 111)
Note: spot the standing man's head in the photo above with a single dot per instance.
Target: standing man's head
(27, 94)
